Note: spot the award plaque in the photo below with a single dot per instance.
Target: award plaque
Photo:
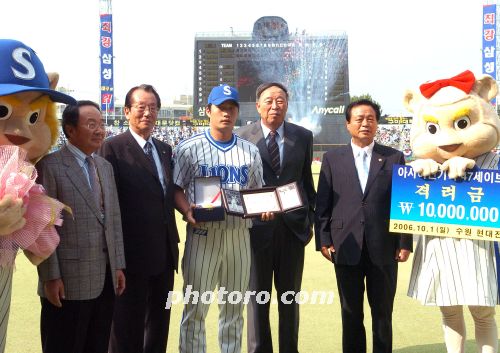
(233, 202)
(257, 201)
(254, 202)
(289, 197)
(208, 199)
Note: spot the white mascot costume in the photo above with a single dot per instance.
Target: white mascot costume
(455, 127)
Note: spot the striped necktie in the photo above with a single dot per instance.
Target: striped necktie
(148, 149)
(95, 185)
(274, 152)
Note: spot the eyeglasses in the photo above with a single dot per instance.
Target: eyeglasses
(94, 126)
(153, 109)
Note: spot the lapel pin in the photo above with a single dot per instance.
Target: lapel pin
(380, 159)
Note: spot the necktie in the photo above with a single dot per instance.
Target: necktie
(148, 149)
(274, 152)
(94, 181)
(363, 168)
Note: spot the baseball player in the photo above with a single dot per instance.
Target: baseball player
(216, 253)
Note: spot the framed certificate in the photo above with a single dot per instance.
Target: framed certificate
(257, 201)
(254, 202)
(289, 197)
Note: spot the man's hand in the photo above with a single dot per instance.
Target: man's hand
(188, 215)
(182, 205)
(54, 291)
(402, 255)
(267, 216)
(327, 252)
(120, 282)
(11, 215)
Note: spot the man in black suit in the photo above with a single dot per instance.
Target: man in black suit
(142, 167)
(278, 245)
(352, 228)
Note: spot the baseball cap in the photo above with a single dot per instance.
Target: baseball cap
(222, 93)
(22, 71)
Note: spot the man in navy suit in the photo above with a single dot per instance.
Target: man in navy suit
(142, 167)
(352, 228)
(278, 245)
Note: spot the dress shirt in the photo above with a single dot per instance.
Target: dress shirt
(358, 156)
(142, 143)
(280, 138)
(80, 159)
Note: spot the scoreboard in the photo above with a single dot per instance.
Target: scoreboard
(313, 68)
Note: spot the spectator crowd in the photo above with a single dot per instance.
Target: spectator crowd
(171, 135)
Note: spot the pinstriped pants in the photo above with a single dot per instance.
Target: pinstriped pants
(214, 257)
(5, 294)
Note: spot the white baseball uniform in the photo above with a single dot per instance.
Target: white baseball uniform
(216, 253)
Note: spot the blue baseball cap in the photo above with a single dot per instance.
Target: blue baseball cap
(222, 93)
(22, 71)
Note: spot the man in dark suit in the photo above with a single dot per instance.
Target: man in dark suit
(278, 245)
(78, 282)
(352, 228)
(142, 167)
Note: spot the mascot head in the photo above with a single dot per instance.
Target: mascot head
(27, 96)
(454, 117)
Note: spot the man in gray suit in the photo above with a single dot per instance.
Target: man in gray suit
(278, 245)
(78, 282)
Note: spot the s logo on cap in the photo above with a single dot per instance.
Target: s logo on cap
(227, 90)
(19, 57)
(24, 72)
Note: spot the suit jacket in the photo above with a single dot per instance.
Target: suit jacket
(148, 218)
(80, 259)
(296, 166)
(345, 215)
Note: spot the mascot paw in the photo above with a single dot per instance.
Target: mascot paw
(456, 166)
(34, 259)
(11, 215)
(425, 167)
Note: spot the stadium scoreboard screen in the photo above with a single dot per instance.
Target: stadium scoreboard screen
(313, 68)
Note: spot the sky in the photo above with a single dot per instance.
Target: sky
(393, 45)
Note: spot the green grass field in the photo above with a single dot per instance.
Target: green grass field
(417, 328)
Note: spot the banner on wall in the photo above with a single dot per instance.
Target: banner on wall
(490, 41)
(106, 65)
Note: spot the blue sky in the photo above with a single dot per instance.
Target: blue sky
(393, 45)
